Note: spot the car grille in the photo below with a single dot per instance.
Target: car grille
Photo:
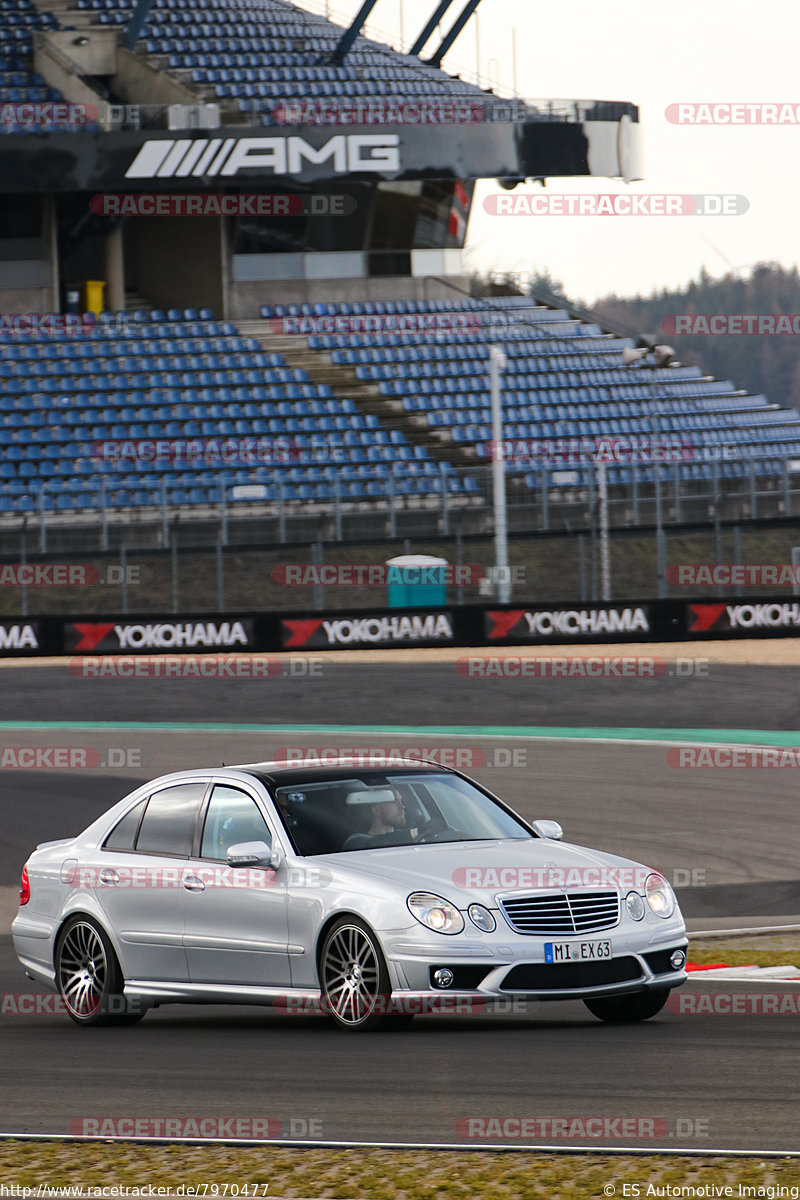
(537, 977)
(564, 912)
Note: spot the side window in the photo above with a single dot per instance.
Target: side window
(232, 817)
(123, 834)
(169, 820)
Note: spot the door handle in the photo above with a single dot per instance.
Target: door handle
(107, 875)
(193, 884)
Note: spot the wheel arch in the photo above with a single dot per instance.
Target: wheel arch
(328, 924)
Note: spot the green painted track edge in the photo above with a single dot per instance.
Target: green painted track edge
(761, 737)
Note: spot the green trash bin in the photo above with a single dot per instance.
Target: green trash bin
(417, 581)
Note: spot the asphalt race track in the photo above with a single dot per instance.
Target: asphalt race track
(721, 1081)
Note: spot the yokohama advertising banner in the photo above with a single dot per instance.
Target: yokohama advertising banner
(19, 637)
(168, 635)
(589, 623)
(374, 631)
(756, 617)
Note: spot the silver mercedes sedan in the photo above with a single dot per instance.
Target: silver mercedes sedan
(370, 890)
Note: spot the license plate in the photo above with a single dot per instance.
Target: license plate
(556, 952)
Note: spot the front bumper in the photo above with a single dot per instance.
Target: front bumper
(494, 969)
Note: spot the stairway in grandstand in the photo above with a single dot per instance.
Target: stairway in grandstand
(19, 83)
(565, 379)
(250, 58)
(343, 380)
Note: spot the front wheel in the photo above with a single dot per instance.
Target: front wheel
(89, 977)
(618, 1010)
(355, 980)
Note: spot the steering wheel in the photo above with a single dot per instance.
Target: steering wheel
(432, 831)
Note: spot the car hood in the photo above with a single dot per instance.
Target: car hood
(476, 872)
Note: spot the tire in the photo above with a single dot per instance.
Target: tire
(89, 977)
(354, 978)
(619, 1010)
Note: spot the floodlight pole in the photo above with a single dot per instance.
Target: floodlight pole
(497, 363)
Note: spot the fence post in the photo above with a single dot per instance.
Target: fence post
(223, 511)
(220, 578)
(753, 493)
(123, 566)
(164, 515)
(459, 556)
(23, 557)
(103, 514)
(319, 594)
(676, 472)
(174, 564)
(718, 548)
(281, 513)
(42, 522)
(635, 493)
(392, 513)
(445, 499)
(661, 544)
(787, 495)
(545, 489)
(582, 567)
(337, 506)
(737, 553)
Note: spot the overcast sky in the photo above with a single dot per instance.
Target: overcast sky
(653, 56)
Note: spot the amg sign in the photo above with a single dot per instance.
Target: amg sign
(346, 154)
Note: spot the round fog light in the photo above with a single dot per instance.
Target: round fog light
(677, 959)
(443, 978)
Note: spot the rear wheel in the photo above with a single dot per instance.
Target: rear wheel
(618, 1010)
(89, 978)
(355, 980)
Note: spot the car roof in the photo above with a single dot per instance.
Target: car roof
(281, 772)
(278, 772)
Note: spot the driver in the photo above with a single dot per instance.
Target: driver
(387, 825)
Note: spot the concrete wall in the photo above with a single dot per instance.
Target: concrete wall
(138, 82)
(61, 62)
(245, 299)
(29, 278)
(178, 261)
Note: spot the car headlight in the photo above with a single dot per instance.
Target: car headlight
(435, 913)
(659, 895)
(481, 917)
(635, 905)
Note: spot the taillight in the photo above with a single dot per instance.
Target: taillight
(24, 887)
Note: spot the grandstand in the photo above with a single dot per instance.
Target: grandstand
(241, 97)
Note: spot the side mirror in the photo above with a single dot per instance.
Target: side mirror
(551, 830)
(254, 854)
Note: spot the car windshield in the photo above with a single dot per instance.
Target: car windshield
(380, 809)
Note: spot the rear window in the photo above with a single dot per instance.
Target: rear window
(169, 820)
